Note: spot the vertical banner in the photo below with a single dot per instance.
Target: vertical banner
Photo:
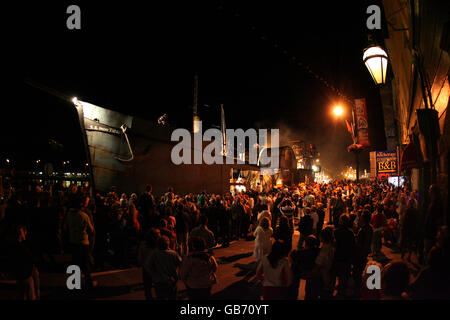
(362, 126)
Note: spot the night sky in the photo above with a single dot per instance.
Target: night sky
(141, 60)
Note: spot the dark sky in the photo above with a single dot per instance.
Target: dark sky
(141, 60)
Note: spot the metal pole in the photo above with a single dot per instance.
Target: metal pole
(357, 166)
(195, 106)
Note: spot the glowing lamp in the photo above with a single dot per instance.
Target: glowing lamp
(376, 62)
(338, 111)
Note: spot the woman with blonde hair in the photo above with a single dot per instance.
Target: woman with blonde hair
(263, 240)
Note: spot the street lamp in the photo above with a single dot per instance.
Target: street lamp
(356, 148)
(376, 62)
(338, 111)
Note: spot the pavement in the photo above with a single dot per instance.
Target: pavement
(235, 279)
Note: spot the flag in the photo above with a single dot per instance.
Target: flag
(349, 128)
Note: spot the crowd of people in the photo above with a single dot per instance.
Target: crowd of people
(342, 227)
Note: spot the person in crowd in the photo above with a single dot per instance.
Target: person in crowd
(305, 227)
(324, 263)
(183, 226)
(168, 232)
(133, 214)
(22, 264)
(378, 221)
(275, 210)
(123, 200)
(395, 281)
(224, 222)
(402, 205)
(284, 232)
(264, 213)
(119, 237)
(212, 215)
(162, 267)
(263, 240)
(78, 227)
(247, 221)
(433, 280)
(321, 215)
(344, 254)
(202, 231)
(198, 270)
(408, 229)
(433, 218)
(303, 263)
(315, 218)
(237, 215)
(287, 209)
(146, 207)
(363, 242)
(145, 250)
(275, 273)
(337, 206)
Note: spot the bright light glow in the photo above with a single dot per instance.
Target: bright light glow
(7, 160)
(338, 111)
(317, 160)
(315, 168)
(376, 62)
(75, 100)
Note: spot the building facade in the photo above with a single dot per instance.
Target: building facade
(416, 95)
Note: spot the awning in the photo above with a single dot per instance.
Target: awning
(408, 159)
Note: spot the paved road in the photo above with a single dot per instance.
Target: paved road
(236, 279)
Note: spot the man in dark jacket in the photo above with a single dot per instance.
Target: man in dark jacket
(237, 214)
(345, 251)
(337, 207)
(321, 214)
(146, 207)
(305, 227)
(363, 248)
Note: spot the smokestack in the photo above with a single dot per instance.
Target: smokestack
(196, 118)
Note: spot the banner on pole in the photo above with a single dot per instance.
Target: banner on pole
(362, 125)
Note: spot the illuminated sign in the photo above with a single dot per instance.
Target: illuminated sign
(387, 163)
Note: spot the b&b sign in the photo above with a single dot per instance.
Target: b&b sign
(387, 163)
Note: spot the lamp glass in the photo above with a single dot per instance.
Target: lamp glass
(375, 59)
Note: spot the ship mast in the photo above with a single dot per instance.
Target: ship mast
(196, 118)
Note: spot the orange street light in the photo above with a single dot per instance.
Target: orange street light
(338, 111)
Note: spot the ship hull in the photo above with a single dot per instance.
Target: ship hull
(142, 156)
